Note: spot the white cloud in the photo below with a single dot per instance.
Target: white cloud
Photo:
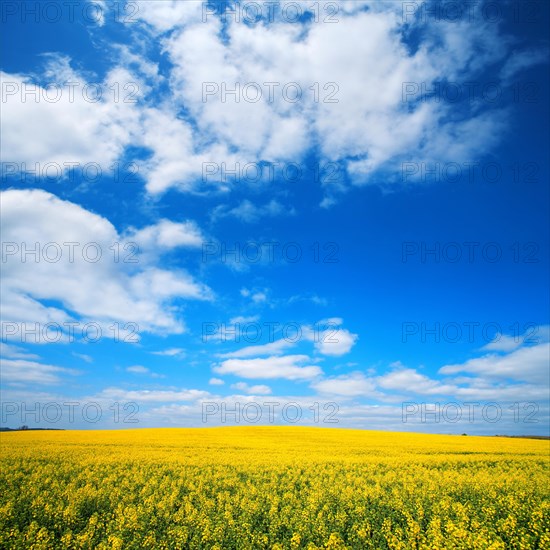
(347, 385)
(15, 352)
(503, 342)
(216, 382)
(351, 109)
(167, 234)
(137, 62)
(250, 213)
(336, 342)
(164, 284)
(517, 375)
(289, 367)
(367, 118)
(19, 371)
(64, 125)
(170, 352)
(331, 322)
(259, 297)
(527, 364)
(506, 343)
(272, 348)
(329, 337)
(178, 160)
(252, 390)
(519, 61)
(164, 15)
(101, 291)
(256, 295)
(241, 320)
(84, 357)
(410, 381)
(313, 298)
(155, 396)
(140, 369)
(98, 12)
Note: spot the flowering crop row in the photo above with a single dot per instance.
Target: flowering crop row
(272, 488)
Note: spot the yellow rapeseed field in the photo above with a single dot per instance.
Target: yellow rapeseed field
(273, 488)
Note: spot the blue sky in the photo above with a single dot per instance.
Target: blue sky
(365, 228)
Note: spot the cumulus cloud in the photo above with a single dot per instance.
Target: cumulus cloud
(241, 319)
(515, 374)
(272, 348)
(22, 372)
(166, 234)
(258, 296)
(170, 352)
(91, 282)
(248, 212)
(60, 117)
(140, 369)
(506, 343)
(251, 390)
(409, 380)
(153, 396)
(336, 342)
(294, 93)
(527, 364)
(163, 15)
(347, 385)
(84, 357)
(346, 102)
(330, 338)
(289, 367)
(15, 352)
(522, 60)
